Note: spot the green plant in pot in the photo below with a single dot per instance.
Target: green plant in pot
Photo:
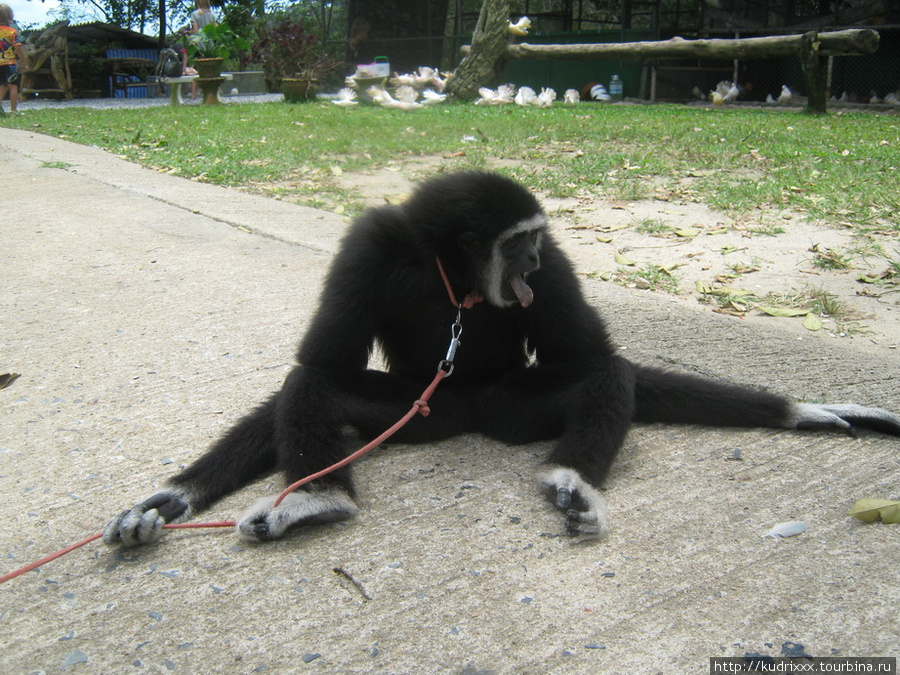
(293, 59)
(302, 85)
(211, 45)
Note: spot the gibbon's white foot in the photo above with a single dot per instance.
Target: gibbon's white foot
(843, 416)
(263, 521)
(587, 514)
(143, 523)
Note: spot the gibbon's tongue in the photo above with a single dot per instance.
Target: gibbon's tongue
(521, 289)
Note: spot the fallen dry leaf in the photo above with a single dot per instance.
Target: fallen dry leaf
(812, 322)
(870, 510)
(7, 379)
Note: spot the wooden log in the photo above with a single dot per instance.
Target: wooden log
(831, 43)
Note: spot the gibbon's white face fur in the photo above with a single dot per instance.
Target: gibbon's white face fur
(513, 257)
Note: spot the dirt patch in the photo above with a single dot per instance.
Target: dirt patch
(708, 261)
(390, 183)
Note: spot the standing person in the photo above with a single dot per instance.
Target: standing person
(200, 17)
(11, 51)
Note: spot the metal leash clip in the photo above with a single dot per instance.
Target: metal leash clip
(455, 331)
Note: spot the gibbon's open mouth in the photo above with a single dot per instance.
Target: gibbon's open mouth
(522, 290)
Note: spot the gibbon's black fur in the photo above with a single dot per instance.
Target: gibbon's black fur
(536, 364)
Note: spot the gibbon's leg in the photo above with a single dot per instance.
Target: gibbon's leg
(311, 414)
(673, 397)
(244, 453)
(589, 407)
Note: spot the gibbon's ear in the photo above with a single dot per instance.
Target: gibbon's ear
(468, 241)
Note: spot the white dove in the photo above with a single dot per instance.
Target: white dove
(732, 93)
(380, 96)
(545, 98)
(424, 76)
(725, 91)
(487, 96)
(439, 81)
(346, 97)
(407, 98)
(520, 27)
(784, 98)
(571, 97)
(525, 96)
(505, 93)
(406, 93)
(431, 97)
(399, 80)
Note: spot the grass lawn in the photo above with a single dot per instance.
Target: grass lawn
(764, 172)
(839, 170)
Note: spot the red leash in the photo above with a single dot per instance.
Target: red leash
(83, 542)
(471, 299)
(420, 406)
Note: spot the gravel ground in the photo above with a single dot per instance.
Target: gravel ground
(108, 103)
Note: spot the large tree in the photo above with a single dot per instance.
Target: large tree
(162, 16)
(485, 60)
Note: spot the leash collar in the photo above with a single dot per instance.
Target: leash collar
(470, 300)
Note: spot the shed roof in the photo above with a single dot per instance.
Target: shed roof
(107, 33)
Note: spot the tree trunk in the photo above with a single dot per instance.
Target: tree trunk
(484, 61)
(815, 73)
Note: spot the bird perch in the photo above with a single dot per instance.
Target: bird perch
(813, 49)
(833, 43)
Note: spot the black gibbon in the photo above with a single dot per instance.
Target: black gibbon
(537, 364)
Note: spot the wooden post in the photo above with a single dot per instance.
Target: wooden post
(815, 73)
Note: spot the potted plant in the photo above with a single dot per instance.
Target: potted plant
(301, 85)
(292, 58)
(211, 45)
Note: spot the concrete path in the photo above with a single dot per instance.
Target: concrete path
(146, 313)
